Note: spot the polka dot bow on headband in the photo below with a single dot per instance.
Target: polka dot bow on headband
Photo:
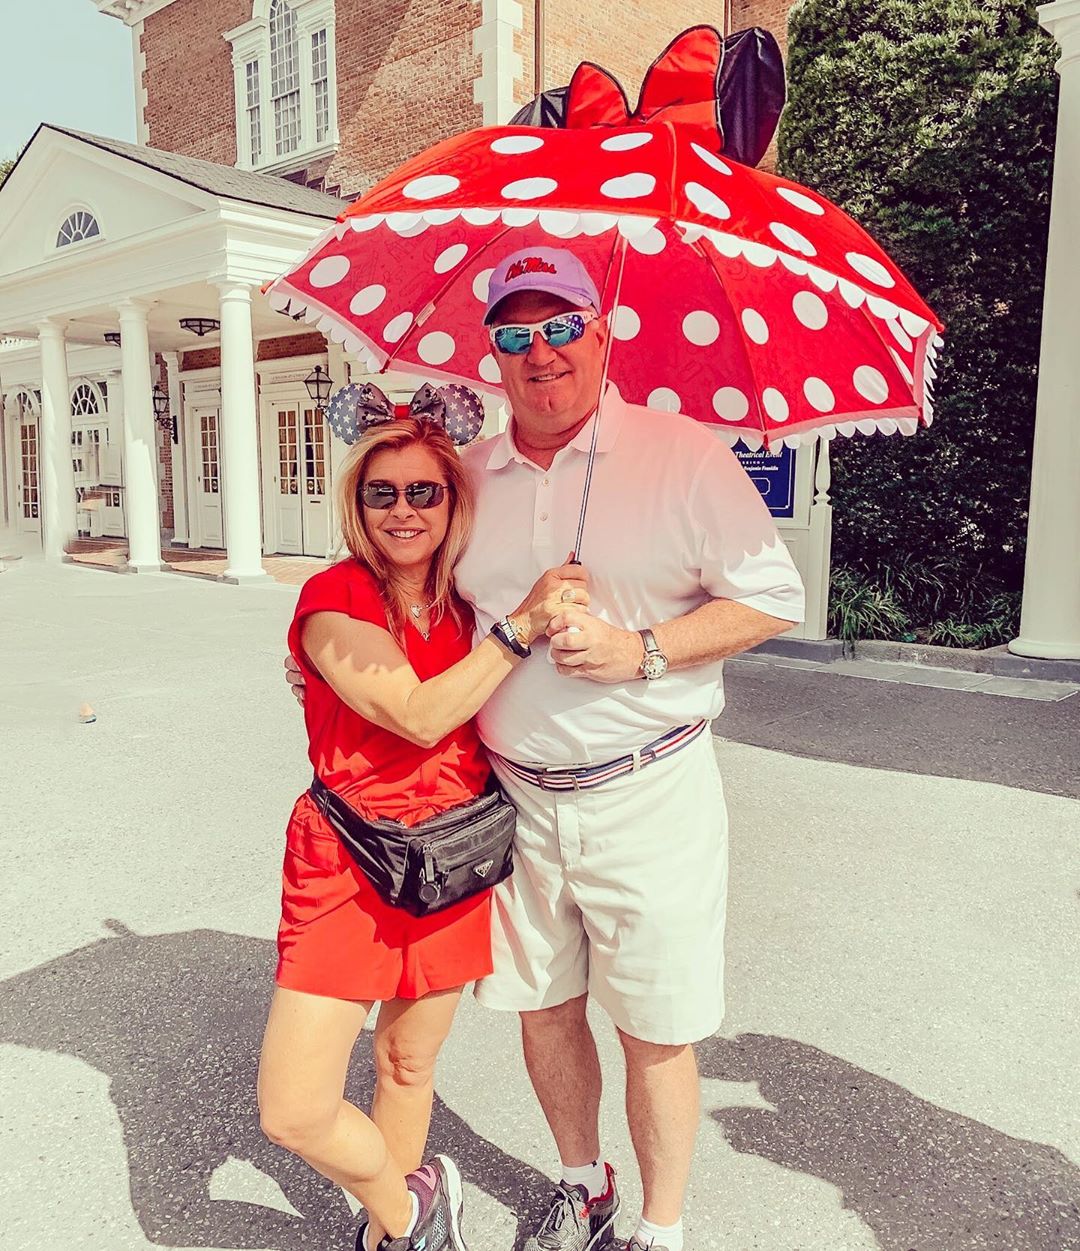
(357, 407)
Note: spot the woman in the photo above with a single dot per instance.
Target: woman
(393, 682)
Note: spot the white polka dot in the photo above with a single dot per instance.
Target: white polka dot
(519, 216)
(758, 254)
(450, 257)
(439, 217)
(367, 300)
(795, 264)
(597, 223)
(514, 145)
(429, 186)
(329, 271)
(756, 327)
(633, 226)
(913, 323)
(399, 223)
(801, 201)
(900, 335)
(489, 369)
(480, 217)
(880, 307)
(711, 159)
(791, 238)
(730, 404)
(853, 296)
(810, 310)
(480, 284)
(363, 224)
(436, 348)
(628, 187)
(528, 188)
(870, 384)
(701, 328)
(650, 243)
(870, 269)
(819, 395)
(822, 280)
(905, 372)
(775, 404)
(625, 324)
(396, 327)
(664, 399)
(626, 143)
(726, 245)
(706, 201)
(410, 232)
(561, 224)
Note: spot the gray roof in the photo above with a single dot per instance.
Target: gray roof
(220, 180)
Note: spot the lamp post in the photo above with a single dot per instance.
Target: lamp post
(319, 386)
(161, 411)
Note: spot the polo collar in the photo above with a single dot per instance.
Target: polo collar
(504, 449)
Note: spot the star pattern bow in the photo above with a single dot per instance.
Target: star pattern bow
(357, 407)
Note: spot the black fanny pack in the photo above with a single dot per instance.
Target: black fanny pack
(427, 867)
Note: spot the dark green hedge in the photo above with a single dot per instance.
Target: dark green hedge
(932, 122)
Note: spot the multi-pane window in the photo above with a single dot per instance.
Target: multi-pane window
(209, 439)
(314, 452)
(287, 452)
(78, 226)
(285, 77)
(29, 458)
(84, 401)
(320, 82)
(254, 110)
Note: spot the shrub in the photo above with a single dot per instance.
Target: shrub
(933, 125)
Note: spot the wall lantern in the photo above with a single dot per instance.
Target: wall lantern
(161, 406)
(199, 325)
(318, 385)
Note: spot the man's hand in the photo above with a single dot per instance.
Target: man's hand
(295, 679)
(583, 646)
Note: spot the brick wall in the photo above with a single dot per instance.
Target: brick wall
(292, 345)
(189, 78)
(201, 358)
(772, 14)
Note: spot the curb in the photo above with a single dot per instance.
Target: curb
(996, 661)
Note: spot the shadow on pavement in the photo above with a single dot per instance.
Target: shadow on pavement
(175, 1022)
(921, 1177)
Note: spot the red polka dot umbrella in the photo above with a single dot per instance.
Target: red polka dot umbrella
(736, 297)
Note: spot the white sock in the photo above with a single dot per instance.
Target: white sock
(592, 1176)
(669, 1236)
(412, 1223)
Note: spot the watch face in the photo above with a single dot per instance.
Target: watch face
(654, 665)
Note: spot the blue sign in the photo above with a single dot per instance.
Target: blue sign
(773, 473)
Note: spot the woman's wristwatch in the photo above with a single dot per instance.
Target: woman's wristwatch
(511, 635)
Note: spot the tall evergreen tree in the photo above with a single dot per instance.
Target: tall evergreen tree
(932, 122)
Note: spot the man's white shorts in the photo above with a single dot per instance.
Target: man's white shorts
(620, 892)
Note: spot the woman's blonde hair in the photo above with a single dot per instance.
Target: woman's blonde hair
(396, 436)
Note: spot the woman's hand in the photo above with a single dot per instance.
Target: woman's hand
(551, 593)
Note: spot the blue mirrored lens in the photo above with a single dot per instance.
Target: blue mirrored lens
(565, 330)
(513, 339)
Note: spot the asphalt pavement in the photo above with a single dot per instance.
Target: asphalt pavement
(899, 1068)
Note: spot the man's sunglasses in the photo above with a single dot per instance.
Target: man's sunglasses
(557, 332)
(419, 495)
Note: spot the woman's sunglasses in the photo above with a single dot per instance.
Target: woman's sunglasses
(419, 495)
(557, 332)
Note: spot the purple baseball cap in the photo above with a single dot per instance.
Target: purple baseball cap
(554, 270)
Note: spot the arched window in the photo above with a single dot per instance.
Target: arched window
(85, 401)
(283, 60)
(78, 226)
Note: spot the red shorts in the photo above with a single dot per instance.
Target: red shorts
(337, 937)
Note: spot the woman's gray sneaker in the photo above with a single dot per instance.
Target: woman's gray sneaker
(437, 1187)
(635, 1245)
(577, 1223)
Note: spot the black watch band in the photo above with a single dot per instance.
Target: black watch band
(507, 635)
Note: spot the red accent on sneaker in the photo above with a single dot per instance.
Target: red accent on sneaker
(606, 1196)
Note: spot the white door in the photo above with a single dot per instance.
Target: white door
(207, 423)
(303, 525)
(28, 478)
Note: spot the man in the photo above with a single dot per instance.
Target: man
(602, 740)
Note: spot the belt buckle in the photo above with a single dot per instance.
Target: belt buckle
(544, 771)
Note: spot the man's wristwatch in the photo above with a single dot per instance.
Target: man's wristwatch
(655, 663)
(511, 637)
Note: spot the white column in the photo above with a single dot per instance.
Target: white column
(239, 436)
(1050, 619)
(55, 469)
(140, 448)
(179, 451)
(501, 66)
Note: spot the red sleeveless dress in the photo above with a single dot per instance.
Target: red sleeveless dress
(337, 937)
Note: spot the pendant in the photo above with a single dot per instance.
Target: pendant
(416, 611)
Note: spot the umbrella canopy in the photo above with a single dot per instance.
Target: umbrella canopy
(736, 297)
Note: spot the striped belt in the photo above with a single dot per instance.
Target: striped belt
(585, 777)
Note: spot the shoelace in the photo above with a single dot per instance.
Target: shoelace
(553, 1222)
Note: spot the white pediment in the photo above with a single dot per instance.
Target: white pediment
(60, 175)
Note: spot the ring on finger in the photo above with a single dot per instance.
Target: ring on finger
(567, 597)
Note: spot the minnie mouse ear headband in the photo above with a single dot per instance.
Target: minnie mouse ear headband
(356, 408)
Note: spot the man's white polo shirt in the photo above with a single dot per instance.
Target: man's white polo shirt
(673, 521)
